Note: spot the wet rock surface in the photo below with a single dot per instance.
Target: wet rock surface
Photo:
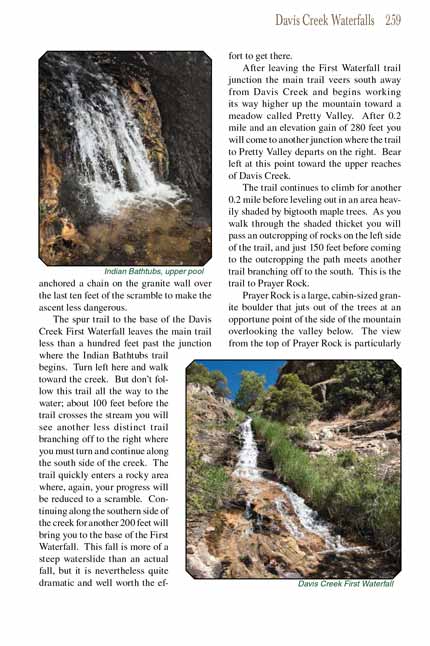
(266, 531)
(260, 544)
(158, 235)
(181, 81)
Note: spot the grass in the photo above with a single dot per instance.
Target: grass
(208, 485)
(348, 490)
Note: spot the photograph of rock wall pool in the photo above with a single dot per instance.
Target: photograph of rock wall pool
(293, 469)
(125, 158)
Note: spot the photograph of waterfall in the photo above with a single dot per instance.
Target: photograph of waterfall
(293, 469)
(125, 158)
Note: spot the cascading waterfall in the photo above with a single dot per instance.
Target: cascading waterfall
(309, 520)
(247, 463)
(108, 150)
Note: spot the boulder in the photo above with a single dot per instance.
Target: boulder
(310, 372)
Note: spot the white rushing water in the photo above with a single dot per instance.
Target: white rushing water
(112, 157)
(247, 463)
(309, 520)
(312, 521)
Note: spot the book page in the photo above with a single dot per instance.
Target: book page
(213, 323)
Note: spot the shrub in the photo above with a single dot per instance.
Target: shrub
(361, 410)
(240, 416)
(293, 433)
(208, 487)
(346, 458)
(292, 402)
(298, 434)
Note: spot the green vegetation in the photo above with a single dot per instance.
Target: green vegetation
(297, 434)
(197, 373)
(346, 490)
(208, 486)
(250, 391)
(311, 372)
(363, 381)
(230, 424)
(361, 410)
(240, 416)
(347, 458)
(292, 402)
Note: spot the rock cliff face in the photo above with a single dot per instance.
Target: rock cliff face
(212, 418)
(168, 96)
(377, 435)
(310, 372)
(181, 81)
(211, 440)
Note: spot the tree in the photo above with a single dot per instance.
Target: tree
(218, 383)
(250, 390)
(292, 402)
(360, 381)
(271, 403)
(197, 373)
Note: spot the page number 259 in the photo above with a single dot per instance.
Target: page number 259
(393, 19)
